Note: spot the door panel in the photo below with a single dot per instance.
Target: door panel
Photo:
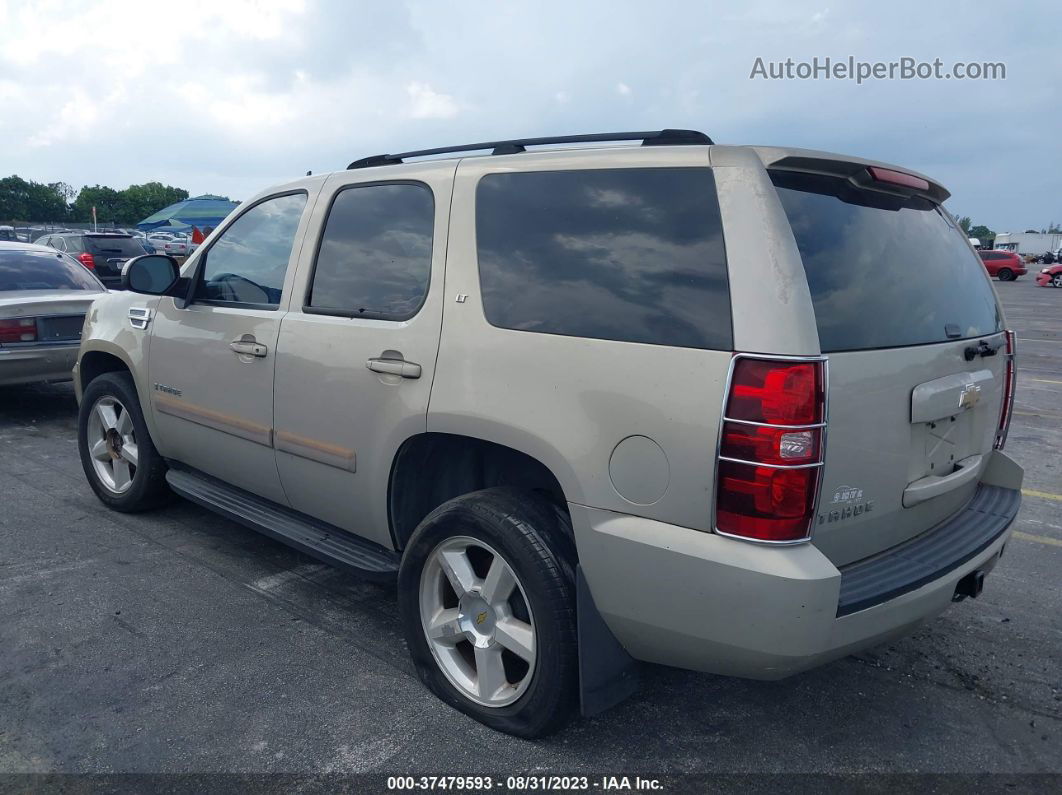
(211, 362)
(355, 367)
(220, 419)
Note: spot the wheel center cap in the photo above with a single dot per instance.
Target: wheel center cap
(114, 444)
(476, 619)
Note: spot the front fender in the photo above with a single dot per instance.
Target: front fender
(108, 331)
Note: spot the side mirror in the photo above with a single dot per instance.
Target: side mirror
(151, 274)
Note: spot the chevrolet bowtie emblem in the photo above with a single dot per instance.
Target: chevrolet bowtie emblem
(969, 396)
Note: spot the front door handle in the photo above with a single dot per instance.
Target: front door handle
(248, 346)
(394, 367)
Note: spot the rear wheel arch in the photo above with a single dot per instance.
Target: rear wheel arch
(430, 469)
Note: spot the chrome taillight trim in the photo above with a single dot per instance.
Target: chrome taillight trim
(1011, 358)
(818, 466)
(812, 465)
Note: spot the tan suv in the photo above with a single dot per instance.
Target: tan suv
(735, 409)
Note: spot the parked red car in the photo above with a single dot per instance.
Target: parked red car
(1006, 265)
(1050, 276)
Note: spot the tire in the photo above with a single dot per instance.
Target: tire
(1005, 275)
(134, 477)
(532, 537)
(1056, 280)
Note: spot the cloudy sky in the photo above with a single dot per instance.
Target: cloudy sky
(229, 96)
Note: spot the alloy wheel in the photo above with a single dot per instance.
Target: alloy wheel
(112, 444)
(477, 621)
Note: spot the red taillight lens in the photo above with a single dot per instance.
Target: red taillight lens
(771, 449)
(775, 392)
(86, 259)
(18, 329)
(764, 503)
(1009, 379)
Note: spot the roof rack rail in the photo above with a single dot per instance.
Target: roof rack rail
(511, 147)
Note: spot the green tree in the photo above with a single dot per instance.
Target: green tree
(140, 201)
(981, 232)
(964, 222)
(25, 200)
(107, 201)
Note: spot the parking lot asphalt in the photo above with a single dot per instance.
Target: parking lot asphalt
(177, 641)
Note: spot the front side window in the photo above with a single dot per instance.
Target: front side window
(634, 255)
(247, 263)
(375, 255)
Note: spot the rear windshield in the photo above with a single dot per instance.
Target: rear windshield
(114, 246)
(39, 270)
(884, 271)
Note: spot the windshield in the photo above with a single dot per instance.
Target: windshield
(114, 246)
(40, 270)
(884, 271)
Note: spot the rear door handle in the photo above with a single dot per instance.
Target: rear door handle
(249, 347)
(394, 367)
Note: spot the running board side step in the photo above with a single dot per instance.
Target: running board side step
(318, 539)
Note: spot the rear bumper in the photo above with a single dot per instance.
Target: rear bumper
(50, 362)
(695, 600)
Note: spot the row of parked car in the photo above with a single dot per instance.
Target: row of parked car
(1008, 266)
(105, 253)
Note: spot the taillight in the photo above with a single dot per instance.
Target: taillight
(771, 449)
(18, 329)
(86, 259)
(1009, 380)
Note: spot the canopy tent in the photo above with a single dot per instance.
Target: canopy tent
(200, 211)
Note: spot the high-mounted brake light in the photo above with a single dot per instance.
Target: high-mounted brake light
(898, 178)
(771, 449)
(86, 259)
(1009, 382)
(18, 329)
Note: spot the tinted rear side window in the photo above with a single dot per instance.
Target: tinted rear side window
(33, 270)
(621, 254)
(375, 255)
(884, 271)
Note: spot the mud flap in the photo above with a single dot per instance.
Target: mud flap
(608, 675)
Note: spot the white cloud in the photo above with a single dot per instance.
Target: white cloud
(228, 96)
(426, 103)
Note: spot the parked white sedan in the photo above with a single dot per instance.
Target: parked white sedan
(44, 296)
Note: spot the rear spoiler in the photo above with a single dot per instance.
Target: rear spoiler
(866, 174)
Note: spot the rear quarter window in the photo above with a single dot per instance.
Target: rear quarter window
(633, 255)
(884, 271)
